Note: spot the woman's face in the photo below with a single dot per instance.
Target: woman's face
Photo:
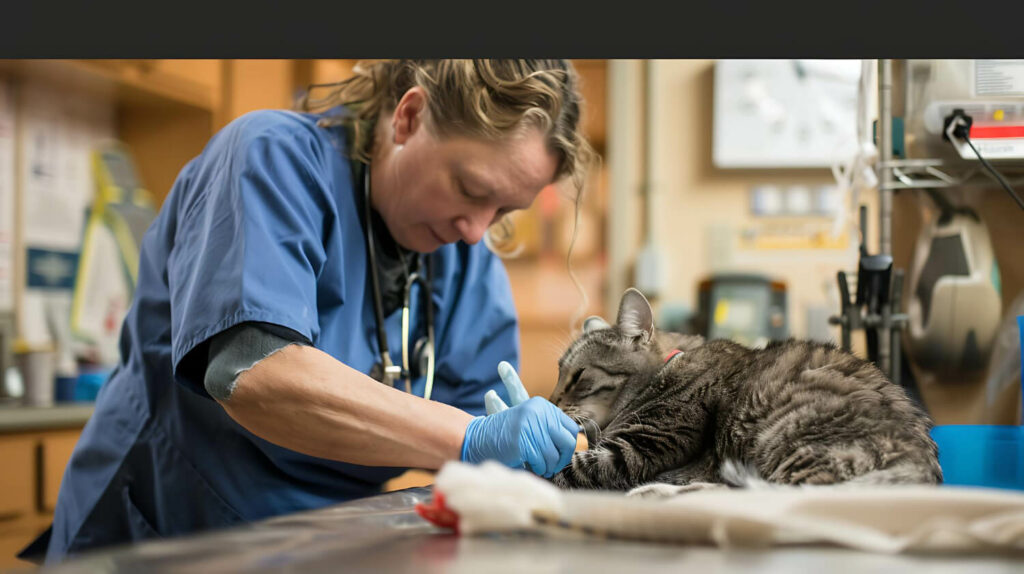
(432, 191)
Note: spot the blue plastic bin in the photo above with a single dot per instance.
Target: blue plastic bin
(984, 455)
(981, 455)
(88, 384)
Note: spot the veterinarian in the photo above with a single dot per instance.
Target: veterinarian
(302, 259)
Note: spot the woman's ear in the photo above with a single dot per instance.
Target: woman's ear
(409, 115)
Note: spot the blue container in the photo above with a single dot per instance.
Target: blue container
(981, 455)
(89, 383)
(1020, 330)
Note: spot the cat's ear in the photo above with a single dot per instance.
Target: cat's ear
(593, 323)
(636, 319)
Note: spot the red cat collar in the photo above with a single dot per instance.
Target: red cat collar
(671, 354)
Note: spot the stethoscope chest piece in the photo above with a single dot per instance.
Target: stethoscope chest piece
(419, 364)
(422, 352)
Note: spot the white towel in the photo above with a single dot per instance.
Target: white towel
(885, 519)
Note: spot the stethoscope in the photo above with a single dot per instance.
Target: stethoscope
(385, 371)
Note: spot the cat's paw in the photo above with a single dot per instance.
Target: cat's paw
(665, 490)
(654, 490)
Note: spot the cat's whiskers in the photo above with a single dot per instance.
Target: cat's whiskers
(589, 425)
(557, 345)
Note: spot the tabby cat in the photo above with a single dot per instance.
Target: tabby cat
(676, 413)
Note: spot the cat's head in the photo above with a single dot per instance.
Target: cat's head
(607, 358)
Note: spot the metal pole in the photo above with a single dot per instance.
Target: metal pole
(885, 156)
(897, 308)
(884, 197)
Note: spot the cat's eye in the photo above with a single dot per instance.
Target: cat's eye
(575, 379)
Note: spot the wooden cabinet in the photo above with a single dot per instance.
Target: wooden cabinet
(249, 85)
(32, 467)
(593, 79)
(17, 488)
(54, 453)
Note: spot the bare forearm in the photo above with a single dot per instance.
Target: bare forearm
(303, 399)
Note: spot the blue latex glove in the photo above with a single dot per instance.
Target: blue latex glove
(532, 432)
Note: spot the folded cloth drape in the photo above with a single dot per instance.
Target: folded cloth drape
(891, 519)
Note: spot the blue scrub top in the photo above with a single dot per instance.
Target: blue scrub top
(262, 226)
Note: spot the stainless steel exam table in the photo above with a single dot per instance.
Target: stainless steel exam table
(384, 534)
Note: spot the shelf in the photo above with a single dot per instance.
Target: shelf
(29, 419)
(127, 82)
(937, 173)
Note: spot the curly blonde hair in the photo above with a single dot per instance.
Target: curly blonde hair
(483, 99)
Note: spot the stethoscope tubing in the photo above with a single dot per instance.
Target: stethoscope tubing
(388, 368)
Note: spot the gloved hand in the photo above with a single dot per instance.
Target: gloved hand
(533, 431)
